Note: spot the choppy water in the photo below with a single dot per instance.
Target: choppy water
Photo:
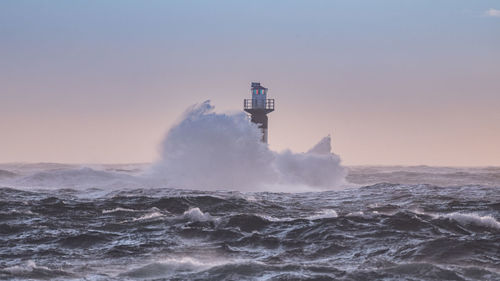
(383, 231)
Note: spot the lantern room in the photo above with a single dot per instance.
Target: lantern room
(259, 95)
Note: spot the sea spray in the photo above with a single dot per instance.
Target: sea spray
(206, 150)
(316, 168)
(209, 150)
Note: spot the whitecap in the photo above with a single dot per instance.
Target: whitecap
(28, 266)
(149, 216)
(468, 219)
(275, 219)
(119, 209)
(169, 266)
(195, 214)
(31, 270)
(359, 214)
(323, 214)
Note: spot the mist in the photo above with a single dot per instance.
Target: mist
(209, 150)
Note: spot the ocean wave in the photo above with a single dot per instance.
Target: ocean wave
(359, 214)
(148, 216)
(276, 219)
(86, 240)
(248, 222)
(30, 270)
(8, 229)
(79, 178)
(323, 214)
(17, 212)
(148, 234)
(171, 266)
(7, 174)
(195, 214)
(118, 209)
(473, 219)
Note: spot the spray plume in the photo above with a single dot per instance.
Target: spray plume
(208, 150)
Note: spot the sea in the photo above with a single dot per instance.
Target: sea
(100, 222)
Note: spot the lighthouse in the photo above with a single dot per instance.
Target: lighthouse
(258, 107)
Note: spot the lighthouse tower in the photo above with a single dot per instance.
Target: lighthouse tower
(258, 107)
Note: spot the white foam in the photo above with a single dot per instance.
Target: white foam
(208, 150)
(195, 214)
(467, 219)
(169, 266)
(18, 212)
(196, 263)
(359, 214)
(149, 216)
(119, 209)
(275, 219)
(28, 266)
(324, 214)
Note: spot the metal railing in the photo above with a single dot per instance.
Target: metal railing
(258, 104)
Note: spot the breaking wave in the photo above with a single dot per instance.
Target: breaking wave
(118, 209)
(195, 214)
(324, 214)
(473, 219)
(170, 266)
(30, 270)
(208, 150)
(149, 216)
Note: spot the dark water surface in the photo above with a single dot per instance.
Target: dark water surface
(376, 232)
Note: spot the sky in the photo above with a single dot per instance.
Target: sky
(394, 82)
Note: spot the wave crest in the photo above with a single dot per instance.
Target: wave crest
(195, 214)
(467, 219)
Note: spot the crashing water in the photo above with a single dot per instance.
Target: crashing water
(213, 151)
(198, 214)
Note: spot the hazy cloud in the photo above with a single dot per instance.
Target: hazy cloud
(493, 12)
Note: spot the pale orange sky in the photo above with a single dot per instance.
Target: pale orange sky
(91, 82)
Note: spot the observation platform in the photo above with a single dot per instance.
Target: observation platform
(258, 105)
